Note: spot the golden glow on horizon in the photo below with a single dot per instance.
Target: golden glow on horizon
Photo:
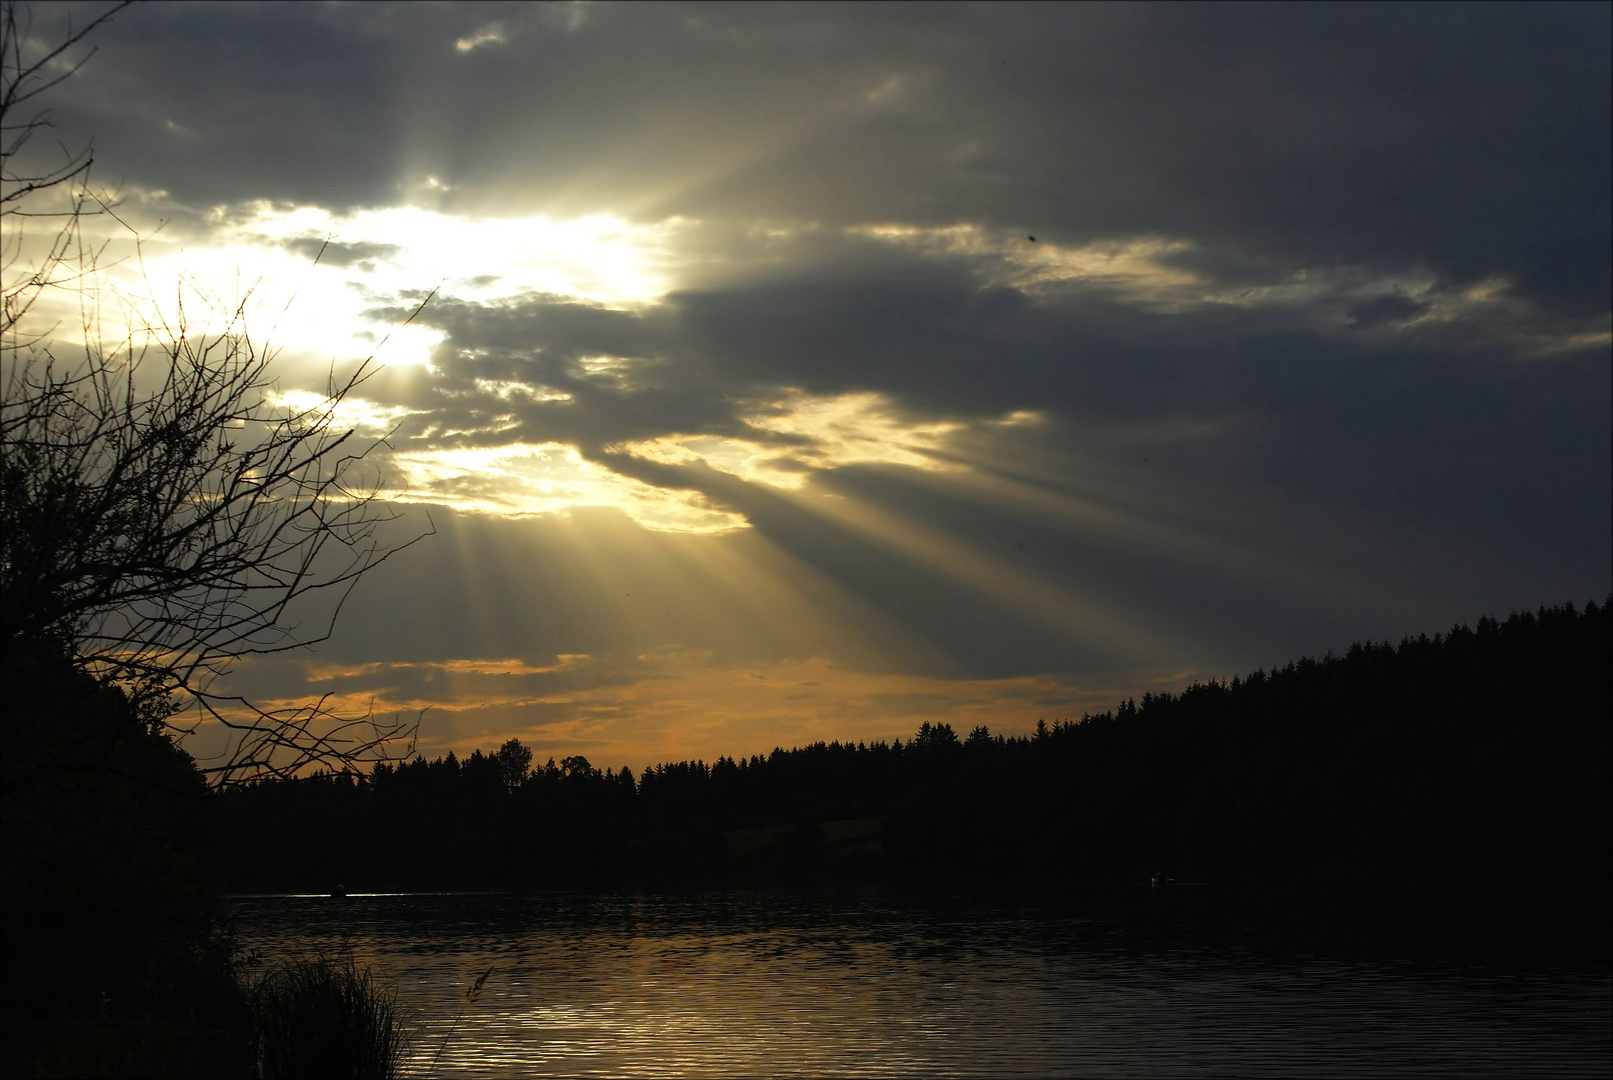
(679, 705)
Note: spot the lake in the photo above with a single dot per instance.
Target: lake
(750, 984)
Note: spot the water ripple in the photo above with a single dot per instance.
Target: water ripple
(741, 985)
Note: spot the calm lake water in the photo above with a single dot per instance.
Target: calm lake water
(741, 984)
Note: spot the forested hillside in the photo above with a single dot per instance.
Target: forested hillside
(1475, 762)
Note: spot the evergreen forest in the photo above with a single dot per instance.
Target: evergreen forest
(1458, 780)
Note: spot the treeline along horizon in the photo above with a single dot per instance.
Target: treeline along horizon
(1480, 757)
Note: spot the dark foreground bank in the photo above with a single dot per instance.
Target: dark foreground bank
(119, 958)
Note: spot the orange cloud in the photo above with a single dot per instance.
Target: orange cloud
(679, 705)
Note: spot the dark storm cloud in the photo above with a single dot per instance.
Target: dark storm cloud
(1456, 460)
(1469, 140)
(537, 345)
(1346, 387)
(1392, 308)
(337, 253)
(926, 334)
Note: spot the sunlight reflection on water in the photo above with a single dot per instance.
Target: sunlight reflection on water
(745, 984)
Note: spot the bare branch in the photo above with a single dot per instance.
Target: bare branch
(164, 513)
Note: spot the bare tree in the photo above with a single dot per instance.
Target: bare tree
(30, 174)
(163, 512)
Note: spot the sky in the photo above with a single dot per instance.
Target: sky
(799, 372)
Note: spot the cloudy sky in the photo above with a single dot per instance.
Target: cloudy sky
(810, 372)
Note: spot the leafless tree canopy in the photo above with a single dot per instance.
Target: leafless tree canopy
(36, 181)
(163, 513)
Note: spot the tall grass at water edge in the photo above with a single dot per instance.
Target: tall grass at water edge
(325, 1017)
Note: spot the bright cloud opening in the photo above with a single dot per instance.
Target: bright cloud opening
(818, 432)
(340, 287)
(521, 480)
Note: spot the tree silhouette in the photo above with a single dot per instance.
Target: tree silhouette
(1453, 784)
(163, 513)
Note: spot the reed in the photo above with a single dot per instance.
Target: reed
(325, 1017)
